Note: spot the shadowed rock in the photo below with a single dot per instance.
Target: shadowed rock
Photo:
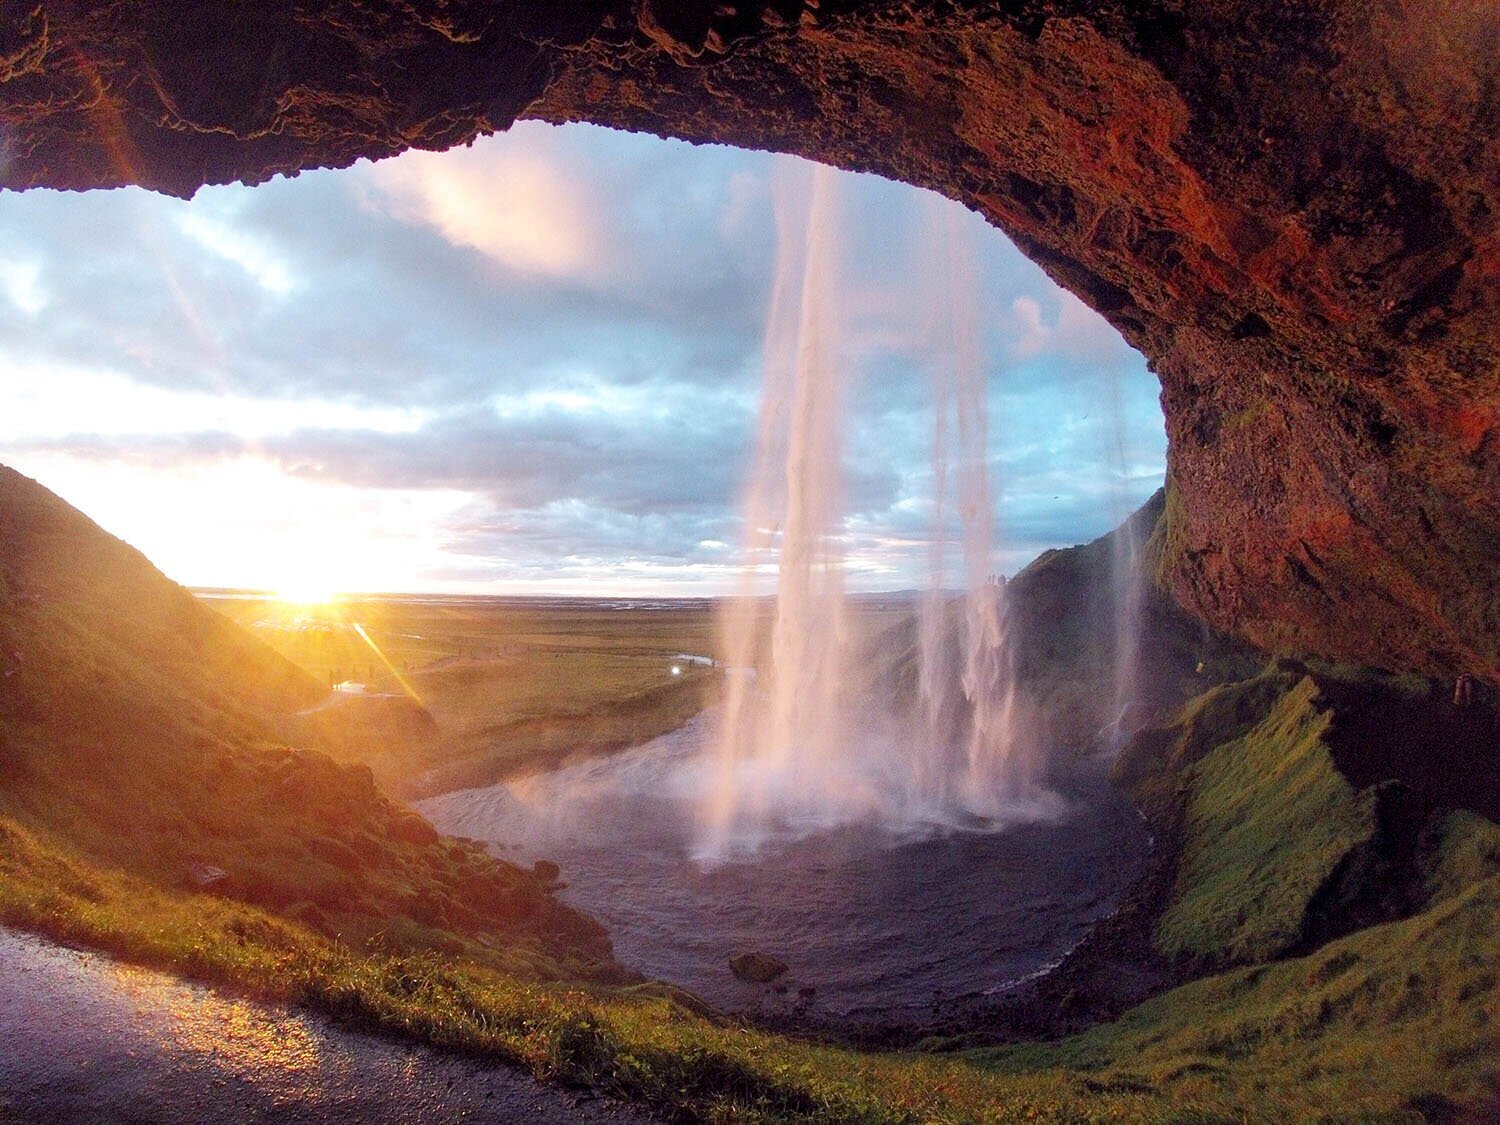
(756, 968)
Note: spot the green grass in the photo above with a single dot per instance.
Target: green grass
(1396, 1016)
(139, 731)
(1268, 819)
(1468, 852)
(1158, 758)
(1364, 1027)
(640, 1042)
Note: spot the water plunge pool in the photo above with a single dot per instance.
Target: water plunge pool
(884, 926)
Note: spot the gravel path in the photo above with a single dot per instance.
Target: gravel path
(84, 1038)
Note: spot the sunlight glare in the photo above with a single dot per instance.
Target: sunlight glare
(307, 594)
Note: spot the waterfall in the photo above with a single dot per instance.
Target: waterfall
(1127, 580)
(1127, 590)
(980, 781)
(796, 747)
(780, 736)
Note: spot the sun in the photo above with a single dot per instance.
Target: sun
(306, 594)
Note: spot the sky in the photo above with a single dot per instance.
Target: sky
(529, 365)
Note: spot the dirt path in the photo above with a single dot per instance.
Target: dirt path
(84, 1038)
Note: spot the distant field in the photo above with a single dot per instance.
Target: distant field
(464, 691)
(486, 687)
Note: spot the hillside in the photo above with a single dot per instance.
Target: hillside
(1323, 893)
(140, 735)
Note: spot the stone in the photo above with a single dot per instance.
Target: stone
(756, 968)
(1293, 211)
(410, 828)
(203, 876)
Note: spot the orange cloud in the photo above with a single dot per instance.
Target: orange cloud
(514, 203)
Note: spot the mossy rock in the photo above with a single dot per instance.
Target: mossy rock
(1269, 817)
(756, 968)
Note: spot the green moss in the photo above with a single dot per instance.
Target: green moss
(1222, 713)
(1468, 852)
(1389, 1018)
(1250, 417)
(1268, 818)
(1168, 538)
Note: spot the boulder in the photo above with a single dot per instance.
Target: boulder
(410, 828)
(203, 876)
(756, 968)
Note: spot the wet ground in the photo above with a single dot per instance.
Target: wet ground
(876, 926)
(84, 1038)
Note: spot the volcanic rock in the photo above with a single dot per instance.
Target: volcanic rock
(756, 968)
(1293, 210)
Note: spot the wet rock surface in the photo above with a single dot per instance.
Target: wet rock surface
(1292, 210)
(89, 1039)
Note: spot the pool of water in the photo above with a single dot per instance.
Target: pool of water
(879, 924)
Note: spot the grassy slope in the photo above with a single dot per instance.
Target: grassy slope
(139, 734)
(109, 708)
(1268, 820)
(1395, 1016)
(1399, 1016)
(1286, 805)
(1392, 1017)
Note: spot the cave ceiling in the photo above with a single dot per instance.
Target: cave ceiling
(1292, 209)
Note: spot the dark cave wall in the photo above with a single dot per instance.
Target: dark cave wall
(1292, 209)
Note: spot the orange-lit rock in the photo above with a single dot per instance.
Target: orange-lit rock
(1291, 209)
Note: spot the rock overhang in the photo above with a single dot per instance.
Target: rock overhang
(1292, 209)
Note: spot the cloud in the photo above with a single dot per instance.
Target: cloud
(214, 229)
(1074, 332)
(20, 281)
(556, 331)
(514, 205)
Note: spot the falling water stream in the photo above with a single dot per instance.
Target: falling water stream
(889, 853)
(783, 734)
(1126, 569)
(798, 743)
(986, 777)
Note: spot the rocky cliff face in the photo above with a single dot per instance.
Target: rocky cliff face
(1293, 209)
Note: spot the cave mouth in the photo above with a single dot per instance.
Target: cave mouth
(546, 350)
(542, 351)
